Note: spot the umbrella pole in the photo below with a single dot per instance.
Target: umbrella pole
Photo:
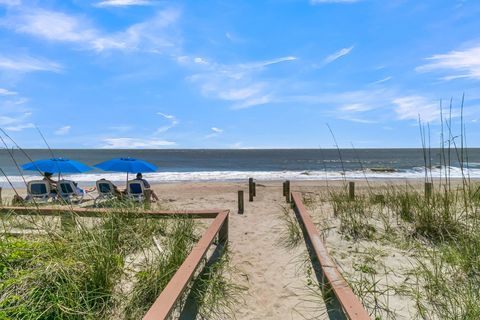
(126, 185)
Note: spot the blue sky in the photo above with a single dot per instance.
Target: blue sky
(236, 74)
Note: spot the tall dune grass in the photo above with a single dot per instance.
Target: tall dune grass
(109, 267)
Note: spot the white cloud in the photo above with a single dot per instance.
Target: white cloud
(382, 80)
(5, 92)
(28, 64)
(378, 105)
(16, 121)
(61, 27)
(5, 120)
(337, 55)
(357, 107)
(235, 94)
(134, 143)
(63, 130)
(123, 3)
(254, 101)
(333, 1)
(465, 64)
(412, 107)
(10, 2)
(236, 83)
(358, 120)
(215, 132)
(173, 122)
(51, 25)
(269, 62)
(20, 127)
(166, 116)
(200, 60)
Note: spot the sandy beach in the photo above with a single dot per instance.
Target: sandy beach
(276, 279)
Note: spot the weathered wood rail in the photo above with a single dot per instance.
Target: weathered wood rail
(349, 302)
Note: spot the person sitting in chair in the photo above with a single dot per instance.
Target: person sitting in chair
(47, 176)
(149, 192)
(116, 192)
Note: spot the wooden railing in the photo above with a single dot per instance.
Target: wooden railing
(349, 302)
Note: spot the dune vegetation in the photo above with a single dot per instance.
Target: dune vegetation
(113, 267)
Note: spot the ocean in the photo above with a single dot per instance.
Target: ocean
(232, 165)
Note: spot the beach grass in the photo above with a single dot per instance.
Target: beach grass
(114, 266)
(290, 232)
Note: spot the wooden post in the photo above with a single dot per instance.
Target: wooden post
(223, 233)
(351, 190)
(250, 189)
(240, 202)
(1, 203)
(284, 188)
(287, 190)
(254, 189)
(428, 190)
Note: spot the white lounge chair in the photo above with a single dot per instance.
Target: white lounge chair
(105, 189)
(136, 190)
(68, 191)
(39, 190)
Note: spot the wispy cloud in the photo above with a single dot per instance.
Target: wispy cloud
(266, 63)
(357, 107)
(5, 120)
(5, 92)
(237, 83)
(123, 3)
(382, 80)
(254, 101)
(16, 121)
(358, 120)
(135, 143)
(20, 127)
(171, 118)
(377, 105)
(50, 25)
(413, 107)
(215, 132)
(337, 55)
(28, 64)
(10, 2)
(465, 64)
(58, 26)
(63, 130)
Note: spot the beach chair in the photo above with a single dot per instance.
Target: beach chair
(105, 189)
(68, 191)
(136, 190)
(39, 190)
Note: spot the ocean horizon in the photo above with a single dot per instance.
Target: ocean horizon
(190, 165)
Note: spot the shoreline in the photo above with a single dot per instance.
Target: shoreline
(7, 192)
(88, 180)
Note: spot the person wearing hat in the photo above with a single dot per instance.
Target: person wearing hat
(149, 192)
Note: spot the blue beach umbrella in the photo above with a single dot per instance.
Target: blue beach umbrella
(129, 165)
(57, 165)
